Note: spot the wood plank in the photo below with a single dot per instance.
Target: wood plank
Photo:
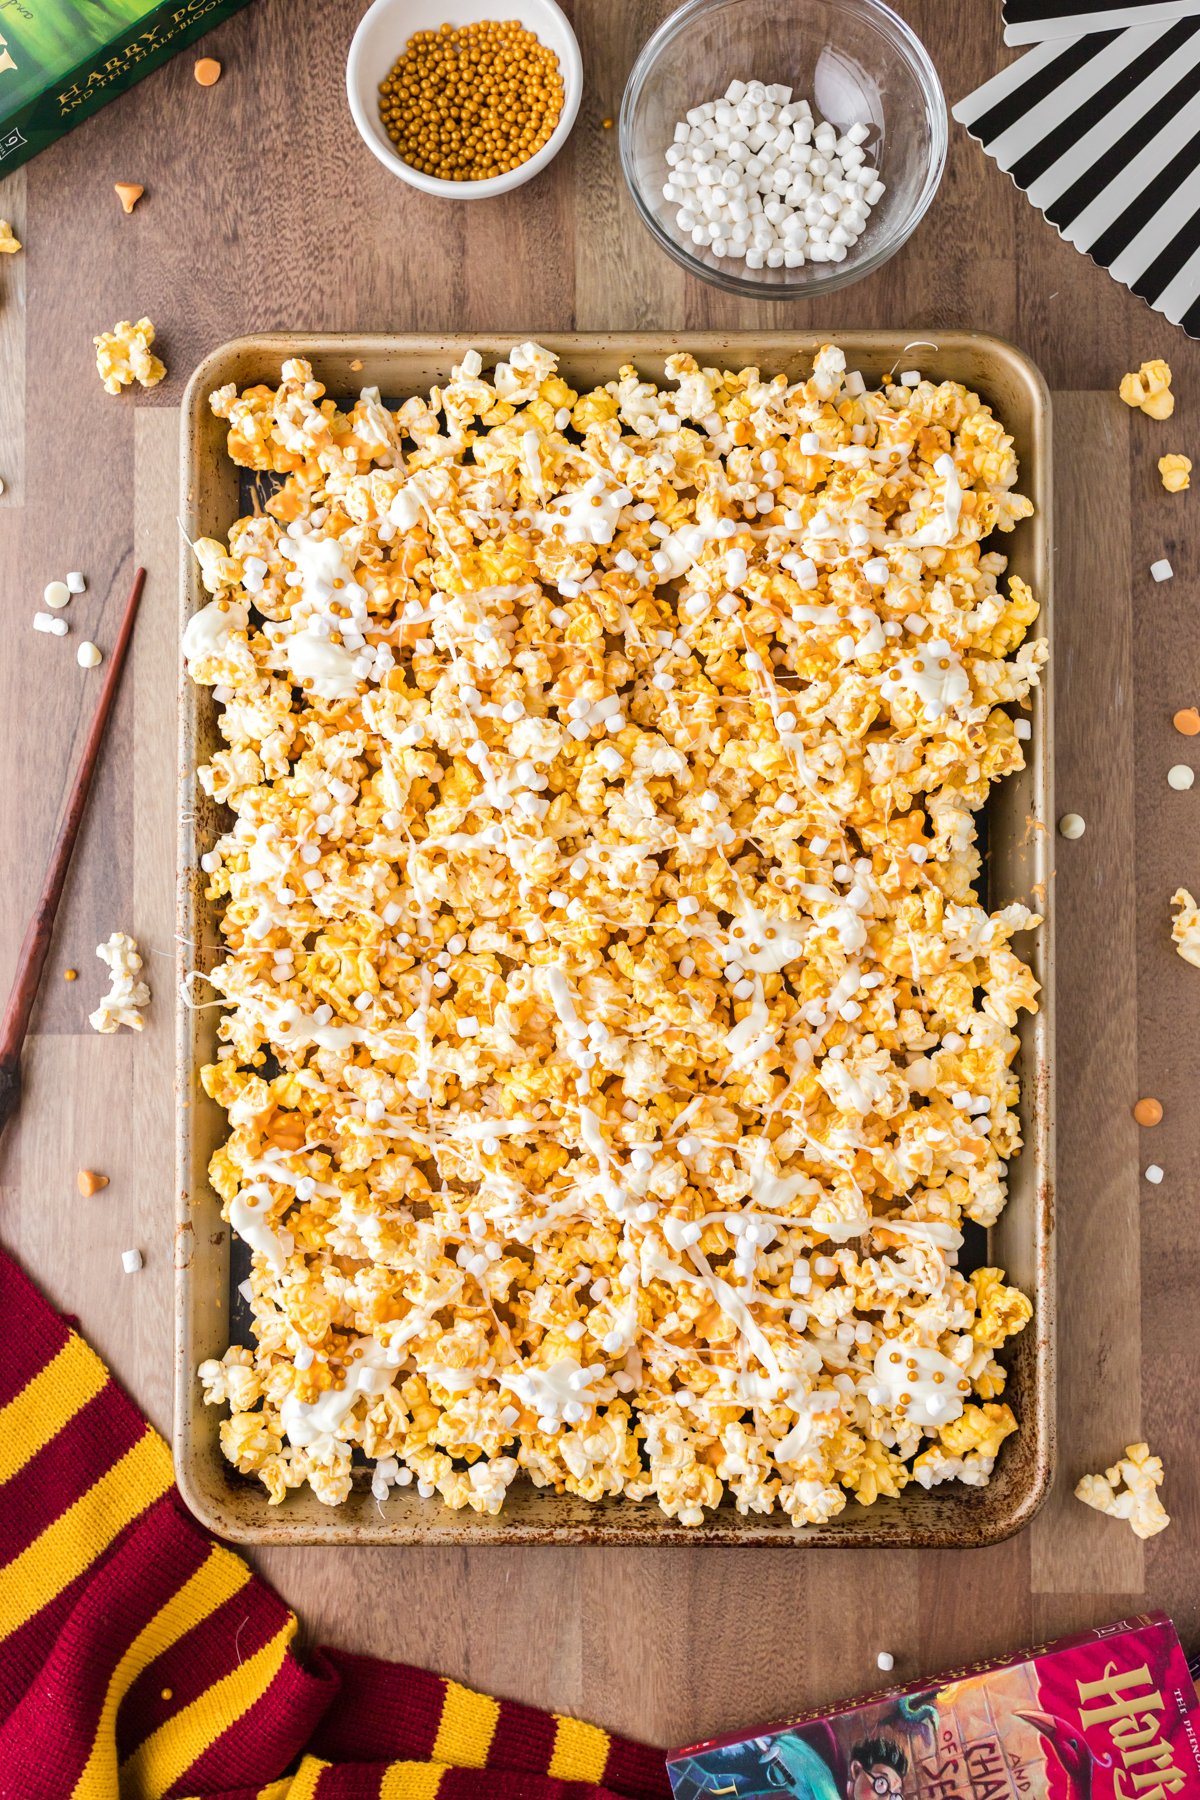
(1097, 1205)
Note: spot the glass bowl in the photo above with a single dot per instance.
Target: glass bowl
(852, 60)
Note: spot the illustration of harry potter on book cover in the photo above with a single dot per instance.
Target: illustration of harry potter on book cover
(1109, 1715)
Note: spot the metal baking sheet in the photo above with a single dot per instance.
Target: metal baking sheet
(1018, 833)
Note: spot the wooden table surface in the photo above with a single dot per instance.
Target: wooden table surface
(263, 210)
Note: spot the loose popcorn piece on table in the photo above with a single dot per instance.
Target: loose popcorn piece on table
(126, 992)
(1176, 473)
(1150, 389)
(1185, 928)
(123, 355)
(1138, 1501)
(614, 1045)
(9, 242)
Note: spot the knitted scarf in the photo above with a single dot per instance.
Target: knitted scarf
(141, 1659)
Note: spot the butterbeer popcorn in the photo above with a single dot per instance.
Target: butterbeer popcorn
(614, 1046)
(1185, 926)
(1129, 1490)
(127, 992)
(1148, 389)
(123, 356)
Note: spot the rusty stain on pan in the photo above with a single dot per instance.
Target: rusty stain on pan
(1019, 861)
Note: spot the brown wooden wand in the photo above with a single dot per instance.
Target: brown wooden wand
(36, 946)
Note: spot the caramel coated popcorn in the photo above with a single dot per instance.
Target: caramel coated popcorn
(123, 356)
(1175, 472)
(614, 1046)
(1148, 389)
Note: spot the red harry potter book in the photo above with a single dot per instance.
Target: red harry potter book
(1109, 1714)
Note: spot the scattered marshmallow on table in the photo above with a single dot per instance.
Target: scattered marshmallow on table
(1161, 570)
(757, 178)
(131, 1261)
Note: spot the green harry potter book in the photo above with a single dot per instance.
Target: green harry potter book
(62, 59)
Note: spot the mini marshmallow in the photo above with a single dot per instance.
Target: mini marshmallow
(131, 1261)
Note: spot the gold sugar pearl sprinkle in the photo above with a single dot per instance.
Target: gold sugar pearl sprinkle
(473, 102)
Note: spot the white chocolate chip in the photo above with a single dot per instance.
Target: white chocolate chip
(56, 594)
(1072, 825)
(1180, 777)
(87, 655)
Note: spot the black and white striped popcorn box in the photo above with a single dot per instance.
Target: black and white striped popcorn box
(1102, 133)
(1033, 21)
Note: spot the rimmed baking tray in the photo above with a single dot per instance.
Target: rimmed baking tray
(1018, 836)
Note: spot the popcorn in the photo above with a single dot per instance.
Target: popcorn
(126, 993)
(1138, 1501)
(9, 241)
(614, 1046)
(1176, 472)
(123, 356)
(1150, 389)
(1185, 927)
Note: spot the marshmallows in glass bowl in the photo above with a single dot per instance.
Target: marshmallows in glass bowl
(828, 113)
(757, 177)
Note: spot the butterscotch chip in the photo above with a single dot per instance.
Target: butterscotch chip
(207, 71)
(1187, 720)
(89, 1182)
(128, 193)
(1148, 1111)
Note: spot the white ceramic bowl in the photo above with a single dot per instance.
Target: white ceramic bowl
(386, 27)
